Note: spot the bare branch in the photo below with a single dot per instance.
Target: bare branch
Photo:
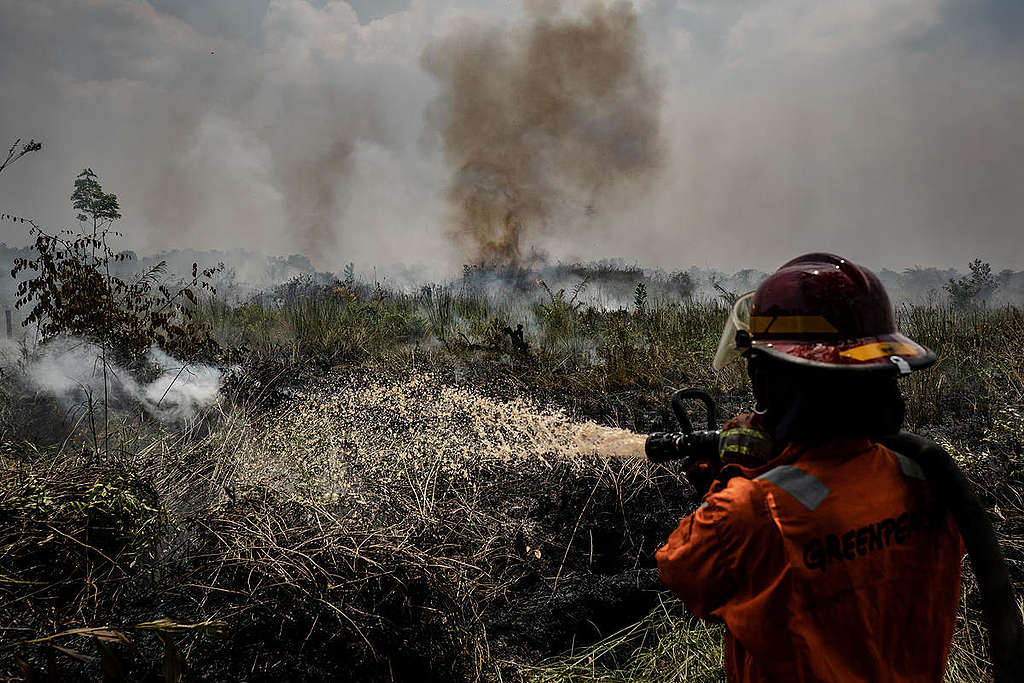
(14, 153)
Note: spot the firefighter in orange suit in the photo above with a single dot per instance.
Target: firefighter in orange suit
(820, 549)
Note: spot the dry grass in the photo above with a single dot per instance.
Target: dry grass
(431, 512)
(667, 645)
(670, 645)
(371, 523)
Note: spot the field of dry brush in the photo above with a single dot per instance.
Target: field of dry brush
(387, 488)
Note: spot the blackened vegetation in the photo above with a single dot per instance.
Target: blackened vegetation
(516, 336)
(597, 574)
(439, 575)
(532, 567)
(511, 563)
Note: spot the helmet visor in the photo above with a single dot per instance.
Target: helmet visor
(739, 319)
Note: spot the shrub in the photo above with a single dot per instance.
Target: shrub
(975, 289)
(71, 290)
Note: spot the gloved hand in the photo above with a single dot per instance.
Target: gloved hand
(701, 471)
(744, 441)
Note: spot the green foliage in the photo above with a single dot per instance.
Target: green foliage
(116, 511)
(980, 352)
(562, 327)
(120, 508)
(621, 347)
(70, 288)
(640, 297)
(975, 289)
(441, 315)
(335, 328)
(325, 325)
(92, 203)
(599, 352)
(111, 661)
(472, 308)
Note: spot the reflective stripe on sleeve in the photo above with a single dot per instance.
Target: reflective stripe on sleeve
(745, 431)
(806, 488)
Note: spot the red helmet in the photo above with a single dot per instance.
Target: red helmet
(820, 310)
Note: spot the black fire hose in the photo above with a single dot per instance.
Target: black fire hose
(662, 447)
(998, 598)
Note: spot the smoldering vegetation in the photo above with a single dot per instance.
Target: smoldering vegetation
(542, 125)
(387, 487)
(76, 374)
(348, 477)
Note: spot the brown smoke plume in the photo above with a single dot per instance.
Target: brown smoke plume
(542, 125)
(314, 190)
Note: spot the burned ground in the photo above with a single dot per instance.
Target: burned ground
(377, 523)
(425, 513)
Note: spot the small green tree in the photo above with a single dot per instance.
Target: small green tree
(640, 298)
(92, 203)
(975, 289)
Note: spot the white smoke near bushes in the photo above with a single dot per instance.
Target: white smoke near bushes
(72, 371)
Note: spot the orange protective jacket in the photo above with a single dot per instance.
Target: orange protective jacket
(829, 563)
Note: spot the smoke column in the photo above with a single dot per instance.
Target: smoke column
(542, 126)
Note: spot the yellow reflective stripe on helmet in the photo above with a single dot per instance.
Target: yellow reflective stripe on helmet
(791, 324)
(880, 349)
(735, 448)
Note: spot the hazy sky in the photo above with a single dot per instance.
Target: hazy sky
(890, 131)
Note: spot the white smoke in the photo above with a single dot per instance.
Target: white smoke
(72, 371)
(181, 389)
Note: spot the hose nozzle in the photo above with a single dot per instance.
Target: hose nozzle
(665, 446)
